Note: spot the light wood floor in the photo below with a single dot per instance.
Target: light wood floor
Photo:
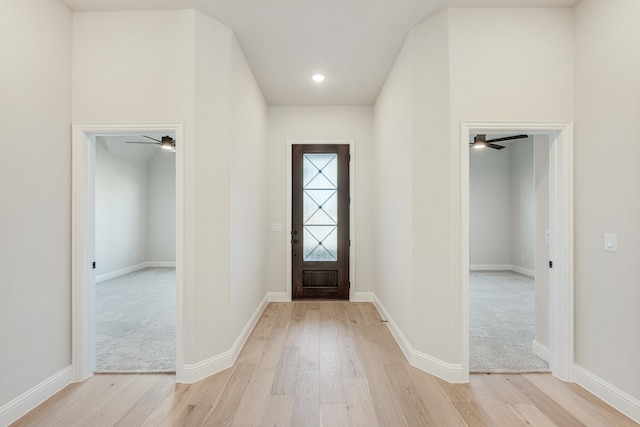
(323, 364)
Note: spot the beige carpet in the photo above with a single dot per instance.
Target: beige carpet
(136, 322)
(502, 323)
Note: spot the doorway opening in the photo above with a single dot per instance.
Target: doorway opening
(135, 241)
(88, 140)
(508, 253)
(560, 257)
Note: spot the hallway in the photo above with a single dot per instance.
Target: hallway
(323, 364)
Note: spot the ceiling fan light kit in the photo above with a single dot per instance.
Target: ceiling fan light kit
(481, 141)
(166, 143)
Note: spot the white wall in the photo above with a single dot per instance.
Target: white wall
(176, 67)
(207, 198)
(502, 208)
(135, 208)
(518, 68)
(121, 211)
(161, 224)
(523, 206)
(125, 69)
(490, 208)
(249, 227)
(35, 183)
(607, 199)
(435, 308)
(392, 180)
(319, 123)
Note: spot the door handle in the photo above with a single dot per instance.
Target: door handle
(294, 241)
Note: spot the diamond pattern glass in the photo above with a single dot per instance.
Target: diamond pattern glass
(320, 207)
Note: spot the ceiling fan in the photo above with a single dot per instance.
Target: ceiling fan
(480, 141)
(166, 142)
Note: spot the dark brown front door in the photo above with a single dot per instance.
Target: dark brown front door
(320, 221)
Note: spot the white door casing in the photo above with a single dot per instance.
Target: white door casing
(83, 239)
(561, 298)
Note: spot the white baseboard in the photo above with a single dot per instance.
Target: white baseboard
(541, 351)
(160, 264)
(490, 267)
(522, 270)
(33, 397)
(132, 268)
(278, 297)
(355, 297)
(246, 331)
(402, 341)
(201, 370)
(615, 397)
(120, 272)
(449, 372)
(362, 297)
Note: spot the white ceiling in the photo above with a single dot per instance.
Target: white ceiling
(353, 42)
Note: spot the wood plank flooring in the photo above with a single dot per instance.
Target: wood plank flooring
(323, 364)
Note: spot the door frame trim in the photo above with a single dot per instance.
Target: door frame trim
(83, 150)
(352, 210)
(561, 249)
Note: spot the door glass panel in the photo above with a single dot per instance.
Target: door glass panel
(320, 207)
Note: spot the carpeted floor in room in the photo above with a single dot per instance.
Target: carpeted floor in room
(502, 323)
(136, 322)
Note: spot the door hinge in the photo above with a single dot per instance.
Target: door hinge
(349, 157)
(550, 264)
(349, 242)
(93, 265)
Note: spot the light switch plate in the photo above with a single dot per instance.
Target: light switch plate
(610, 242)
(276, 227)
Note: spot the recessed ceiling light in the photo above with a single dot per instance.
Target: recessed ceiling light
(318, 78)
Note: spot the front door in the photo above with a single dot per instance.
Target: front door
(320, 221)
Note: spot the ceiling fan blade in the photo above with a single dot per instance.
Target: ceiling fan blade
(495, 146)
(142, 142)
(151, 138)
(508, 138)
